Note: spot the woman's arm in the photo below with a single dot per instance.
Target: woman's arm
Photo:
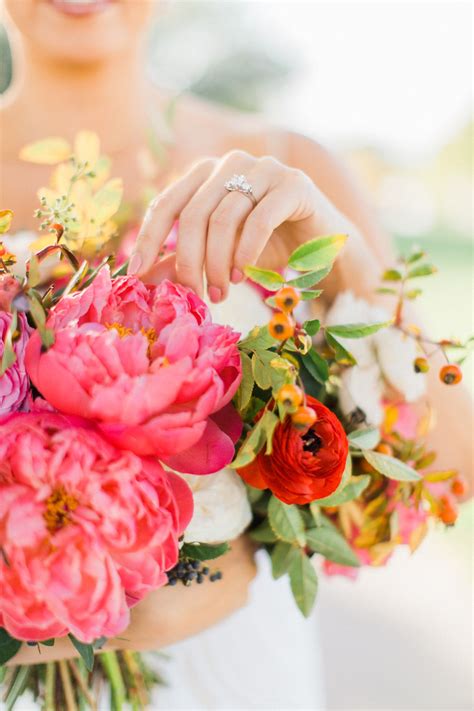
(171, 614)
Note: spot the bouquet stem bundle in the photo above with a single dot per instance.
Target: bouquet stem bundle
(67, 685)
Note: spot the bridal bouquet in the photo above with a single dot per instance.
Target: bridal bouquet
(138, 437)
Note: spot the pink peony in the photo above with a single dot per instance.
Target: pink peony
(86, 530)
(148, 365)
(14, 384)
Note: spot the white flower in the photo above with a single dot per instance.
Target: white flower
(385, 358)
(221, 507)
(243, 309)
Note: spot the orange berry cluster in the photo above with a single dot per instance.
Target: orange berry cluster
(450, 374)
(282, 325)
(448, 511)
(292, 399)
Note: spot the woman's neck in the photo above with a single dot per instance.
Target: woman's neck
(111, 98)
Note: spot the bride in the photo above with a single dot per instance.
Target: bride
(78, 65)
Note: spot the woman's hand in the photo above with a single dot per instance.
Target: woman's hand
(171, 614)
(221, 232)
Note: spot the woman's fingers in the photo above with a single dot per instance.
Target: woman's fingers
(162, 213)
(196, 219)
(278, 206)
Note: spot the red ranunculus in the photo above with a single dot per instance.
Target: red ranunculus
(303, 466)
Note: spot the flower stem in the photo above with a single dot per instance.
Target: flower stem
(67, 685)
(82, 685)
(17, 687)
(112, 668)
(49, 686)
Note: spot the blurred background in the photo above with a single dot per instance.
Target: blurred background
(389, 86)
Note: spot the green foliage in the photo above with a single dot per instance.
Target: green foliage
(260, 435)
(283, 554)
(317, 254)
(8, 646)
(310, 279)
(392, 275)
(245, 390)
(332, 545)
(203, 551)
(304, 582)
(9, 357)
(351, 491)
(265, 277)
(341, 354)
(366, 438)
(356, 330)
(263, 533)
(312, 327)
(421, 270)
(316, 366)
(390, 467)
(286, 521)
(85, 650)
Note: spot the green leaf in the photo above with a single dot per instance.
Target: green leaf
(312, 327)
(244, 393)
(203, 551)
(265, 277)
(351, 491)
(48, 642)
(48, 151)
(391, 467)
(261, 372)
(342, 355)
(310, 294)
(304, 582)
(413, 294)
(8, 646)
(415, 257)
(76, 279)
(263, 533)
(366, 438)
(282, 557)
(422, 270)
(316, 366)
(386, 290)
(357, 330)
(253, 494)
(286, 521)
(85, 650)
(256, 440)
(9, 356)
(39, 316)
(391, 275)
(257, 340)
(331, 544)
(310, 279)
(317, 254)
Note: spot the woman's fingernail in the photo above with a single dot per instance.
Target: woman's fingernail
(134, 264)
(215, 294)
(236, 276)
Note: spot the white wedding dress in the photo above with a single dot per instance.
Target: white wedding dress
(266, 655)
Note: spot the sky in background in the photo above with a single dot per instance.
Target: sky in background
(394, 74)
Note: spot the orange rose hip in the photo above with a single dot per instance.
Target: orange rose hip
(287, 299)
(450, 374)
(281, 327)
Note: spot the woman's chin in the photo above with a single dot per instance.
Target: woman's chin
(80, 31)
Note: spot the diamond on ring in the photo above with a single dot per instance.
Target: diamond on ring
(240, 184)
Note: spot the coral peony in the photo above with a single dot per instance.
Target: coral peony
(14, 383)
(146, 363)
(86, 530)
(305, 466)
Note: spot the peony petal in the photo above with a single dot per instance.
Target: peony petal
(214, 451)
